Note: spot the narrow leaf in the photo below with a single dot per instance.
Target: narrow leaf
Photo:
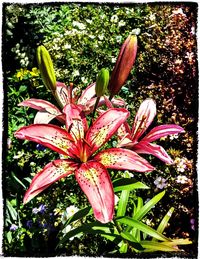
(133, 241)
(17, 180)
(157, 246)
(11, 210)
(123, 201)
(128, 184)
(165, 220)
(144, 228)
(148, 206)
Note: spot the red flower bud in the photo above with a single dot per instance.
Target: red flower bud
(124, 64)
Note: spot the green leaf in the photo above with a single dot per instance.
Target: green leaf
(127, 184)
(123, 201)
(9, 236)
(157, 246)
(80, 214)
(164, 221)
(148, 206)
(11, 210)
(142, 227)
(22, 88)
(17, 180)
(123, 248)
(130, 238)
(91, 228)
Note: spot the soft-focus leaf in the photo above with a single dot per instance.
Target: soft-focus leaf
(12, 211)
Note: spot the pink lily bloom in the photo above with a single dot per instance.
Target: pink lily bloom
(80, 145)
(66, 95)
(135, 139)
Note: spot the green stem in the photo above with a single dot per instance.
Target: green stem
(95, 106)
(110, 98)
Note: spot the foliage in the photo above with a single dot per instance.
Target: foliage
(81, 39)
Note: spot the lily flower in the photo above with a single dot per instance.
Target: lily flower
(66, 95)
(135, 139)
(80, 145)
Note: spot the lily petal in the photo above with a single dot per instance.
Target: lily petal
(76, 123)
(62, 93)
(105, 127)
(144, 147)
(87, 94)
(50, 174)
(95, 182)
(144, 117)
(162, 131)
(41, 105)
(44, 117)
(48, 135)
(119, 158)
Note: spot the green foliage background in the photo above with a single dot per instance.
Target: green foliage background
(83, 38)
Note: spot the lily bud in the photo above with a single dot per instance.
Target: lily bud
(124, 64)
(102, 82)
(46, 68)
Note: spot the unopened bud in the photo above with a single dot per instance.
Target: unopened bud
(102, 82)
(124, 64)
(46, 68)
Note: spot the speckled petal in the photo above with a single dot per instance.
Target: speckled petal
(143, 118)
(162, 131)
(48, 135)
(144, 147)
(87, 94)
(50, 174)
(62, 93)
(95, 182)
(105, 127)
(119, 158)
(76, 123)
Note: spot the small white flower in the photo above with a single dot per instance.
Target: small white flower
(19, 155)
(192, 30)
(92, 37)
(119, 38)
(181, 166)
(160, 182)
(67, 46)
(121, 23)
(71, 210)
(101, 37)
(136, 31)
(89, 21)
(178, 11)
(84, 80)
(182, 179)
(152, 17)
(113, 60)
(174, 136)
(114, 18)
(76, 73)
(80, 25)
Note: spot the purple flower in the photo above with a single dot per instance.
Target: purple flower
(13, 227)
(40, 147)
(35, 211)
(42, 208)
(192, 222)
(29, 223)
